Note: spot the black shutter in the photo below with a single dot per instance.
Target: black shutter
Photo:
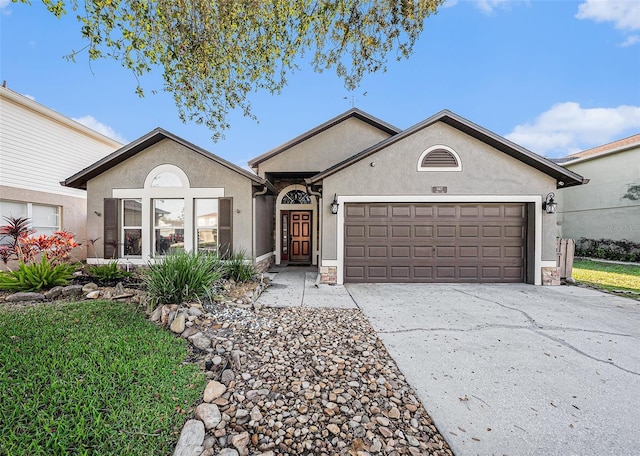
(110, 228)
(225, 227)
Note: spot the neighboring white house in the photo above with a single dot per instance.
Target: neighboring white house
(39, 148)
(609, 207)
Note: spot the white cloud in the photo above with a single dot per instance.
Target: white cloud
(30, 97)
(630, 41)
(91, 122)
(4, 7)
(568, 128)
(624, 13)
(449, 3)
(489, 6)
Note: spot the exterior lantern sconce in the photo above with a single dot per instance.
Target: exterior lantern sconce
(549, 204)
(334, 204)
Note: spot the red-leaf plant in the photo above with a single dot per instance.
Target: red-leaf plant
(25, 248)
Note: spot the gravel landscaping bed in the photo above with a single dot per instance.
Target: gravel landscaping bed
(300, 381)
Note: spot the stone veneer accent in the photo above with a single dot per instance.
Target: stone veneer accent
(329, 274)
(264, 265)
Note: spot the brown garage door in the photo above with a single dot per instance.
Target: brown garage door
(421, 242)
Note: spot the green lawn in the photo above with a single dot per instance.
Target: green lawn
(91, 378)
(607, 276)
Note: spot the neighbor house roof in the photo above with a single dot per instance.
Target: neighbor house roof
(563, 176)
(606, 149)
(79, 180)
(353, 112)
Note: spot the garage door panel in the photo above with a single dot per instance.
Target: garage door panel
(355, 231)
(381, 231)
(423, 231)
(378, 211)
(355, 211)
(426, 242)
(401, 231)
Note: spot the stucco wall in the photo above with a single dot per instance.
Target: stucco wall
(485, 171)
(201, 172)
(326, 148)
(73, 212)
(599, 209)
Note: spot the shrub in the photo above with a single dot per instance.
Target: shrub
(238, 269)
(608, 249)
(109, 271)
(36, 276)
(182, 276)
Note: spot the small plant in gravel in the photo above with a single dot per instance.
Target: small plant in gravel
(105, 272)
(238, 269)
(182, 276)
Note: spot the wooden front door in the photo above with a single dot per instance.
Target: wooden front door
(300, 237)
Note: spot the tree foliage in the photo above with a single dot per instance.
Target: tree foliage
(214, 53)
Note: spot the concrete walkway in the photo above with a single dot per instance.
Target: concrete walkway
(295, 286)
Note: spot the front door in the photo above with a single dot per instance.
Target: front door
(300, 237)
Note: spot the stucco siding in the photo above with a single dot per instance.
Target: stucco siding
(326, 148)
(201, 173)
(72, 212)
(393, 171)
(600, 209)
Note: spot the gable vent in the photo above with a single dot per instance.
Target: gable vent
(439, 158)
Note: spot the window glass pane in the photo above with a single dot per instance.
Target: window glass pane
(166, 180)
(12, 209)
(132, 212)
(169, 239)
(168, 212)
(133, 242)
(207, 240)
(206, 212)
(44, 216)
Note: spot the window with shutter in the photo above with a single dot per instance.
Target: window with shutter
(110, 228)
(225, 227)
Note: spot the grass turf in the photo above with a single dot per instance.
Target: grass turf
(608, 276)
(91, 378)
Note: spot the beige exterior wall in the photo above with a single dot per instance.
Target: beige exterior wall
(264, 225)
(201, 172)
(599, 210)
(326, 148)
(487, 175)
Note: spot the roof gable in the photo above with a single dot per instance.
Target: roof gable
(80, 179)
(352, 113)
(563, 176)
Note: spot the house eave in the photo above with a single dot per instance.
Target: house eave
(563, 176)
(80, 179)
(354, 112)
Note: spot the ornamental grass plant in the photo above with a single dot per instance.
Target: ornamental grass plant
(183, 276)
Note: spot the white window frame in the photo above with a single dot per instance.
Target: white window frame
(124, 227)
(29, 215)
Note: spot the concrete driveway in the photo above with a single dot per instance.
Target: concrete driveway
(516, 369)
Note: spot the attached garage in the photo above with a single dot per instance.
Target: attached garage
(426, 242)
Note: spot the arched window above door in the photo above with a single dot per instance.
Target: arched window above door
(296, 197)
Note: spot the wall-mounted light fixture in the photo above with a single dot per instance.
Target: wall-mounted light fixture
(334, 204)
(549, 204)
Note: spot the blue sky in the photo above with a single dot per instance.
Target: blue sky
(553, 76)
